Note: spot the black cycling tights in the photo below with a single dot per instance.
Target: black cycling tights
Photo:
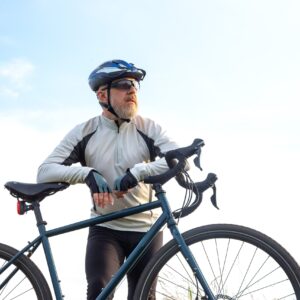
(106, 252)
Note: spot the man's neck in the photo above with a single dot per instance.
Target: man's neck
(112, 117)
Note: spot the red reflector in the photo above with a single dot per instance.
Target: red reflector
(20, 207)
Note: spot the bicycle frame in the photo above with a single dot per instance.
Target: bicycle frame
(165, 218)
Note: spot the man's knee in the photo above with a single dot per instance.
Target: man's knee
(94, 288)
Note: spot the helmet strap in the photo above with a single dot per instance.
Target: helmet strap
(108, 105)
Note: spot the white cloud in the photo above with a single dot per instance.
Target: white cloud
(9, 92)
(14, 76)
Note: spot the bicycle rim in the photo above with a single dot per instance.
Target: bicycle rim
(237, 262)
(22, 280)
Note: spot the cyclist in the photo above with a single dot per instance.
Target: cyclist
(116, 151)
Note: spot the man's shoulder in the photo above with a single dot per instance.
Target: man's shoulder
(87, 127)
(147, 126)
(143, 121)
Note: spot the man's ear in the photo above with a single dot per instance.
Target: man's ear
(102, 95)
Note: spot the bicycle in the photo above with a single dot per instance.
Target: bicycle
(218, 261)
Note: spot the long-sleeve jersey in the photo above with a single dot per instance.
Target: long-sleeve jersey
(100, 144)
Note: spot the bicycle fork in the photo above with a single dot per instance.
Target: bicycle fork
(186, 252)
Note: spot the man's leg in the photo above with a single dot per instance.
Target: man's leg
(134, 275)
(103, 258)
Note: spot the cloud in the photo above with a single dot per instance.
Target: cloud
(9, 92)
(14, 77)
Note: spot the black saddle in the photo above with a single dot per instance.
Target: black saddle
(30, 192)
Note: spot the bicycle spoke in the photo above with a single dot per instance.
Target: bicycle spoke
(187, 279)
(234, 262)
(166, 283)
(210, 264)
(287, 296)
(259, 269)
(19, 295)
(16, 286)
(8, 278)
(219, 266)
(247, 292)
(265, 287)
(250, 275)
(246, 272)
(221, 284)
(176, 281)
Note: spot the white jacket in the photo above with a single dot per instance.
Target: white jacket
(101, 145)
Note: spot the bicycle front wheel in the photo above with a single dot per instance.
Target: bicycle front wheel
(237, 262)
(22, 280)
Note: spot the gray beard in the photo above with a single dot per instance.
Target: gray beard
(126, 112)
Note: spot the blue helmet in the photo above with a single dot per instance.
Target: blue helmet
(112, 70)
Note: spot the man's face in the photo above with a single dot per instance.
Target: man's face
(123, 100)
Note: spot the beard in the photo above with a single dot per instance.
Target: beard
(127, 110)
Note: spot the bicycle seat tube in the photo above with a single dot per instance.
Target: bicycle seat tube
(41, 224)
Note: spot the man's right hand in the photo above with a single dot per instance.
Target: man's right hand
(101, 192)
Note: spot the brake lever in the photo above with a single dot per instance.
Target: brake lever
(209, 182)
(197, 159)
(213, 198)
(198, 144)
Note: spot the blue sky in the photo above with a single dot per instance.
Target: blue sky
(224, 71)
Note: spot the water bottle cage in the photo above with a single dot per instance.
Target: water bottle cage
(22, 207)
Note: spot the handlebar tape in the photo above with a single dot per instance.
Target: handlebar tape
(176, 160)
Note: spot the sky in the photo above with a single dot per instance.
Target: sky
(224, 71)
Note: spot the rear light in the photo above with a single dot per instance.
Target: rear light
(22, 207)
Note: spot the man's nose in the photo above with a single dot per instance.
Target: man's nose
(132, 90)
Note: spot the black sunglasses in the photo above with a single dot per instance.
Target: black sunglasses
(125, 84)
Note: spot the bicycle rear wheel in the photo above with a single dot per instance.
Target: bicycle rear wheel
(237, 262)
(22, 280)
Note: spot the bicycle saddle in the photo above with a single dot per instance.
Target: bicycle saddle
(30, 192)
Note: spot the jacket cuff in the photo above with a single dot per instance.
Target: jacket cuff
(140, 171)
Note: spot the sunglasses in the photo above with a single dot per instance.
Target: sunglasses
(125, 84)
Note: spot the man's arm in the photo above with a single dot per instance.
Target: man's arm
(58, 165)
(162, 143)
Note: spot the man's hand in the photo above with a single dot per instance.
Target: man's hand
(101, 192)
(123, 183)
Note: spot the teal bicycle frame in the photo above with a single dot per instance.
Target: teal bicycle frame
(165, 218)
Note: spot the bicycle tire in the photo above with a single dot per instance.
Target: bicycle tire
(174, 279)
(27, 281)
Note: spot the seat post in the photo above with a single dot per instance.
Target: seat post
(41, 224)
(38, 215)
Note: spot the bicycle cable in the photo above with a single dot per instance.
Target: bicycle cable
(188, 184)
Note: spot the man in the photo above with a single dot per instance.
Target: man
(116, 151)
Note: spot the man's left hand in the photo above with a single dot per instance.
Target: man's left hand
(125, 182)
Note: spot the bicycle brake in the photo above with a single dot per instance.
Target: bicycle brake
(213, 198)
(197, 159)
